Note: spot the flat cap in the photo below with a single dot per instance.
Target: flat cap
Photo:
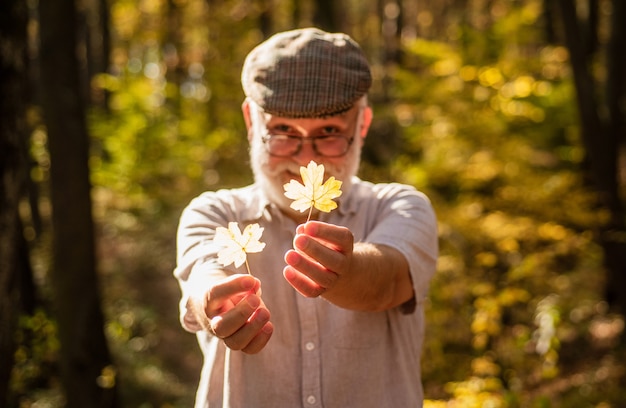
(306, 73)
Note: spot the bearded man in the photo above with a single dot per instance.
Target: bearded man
(332, 314)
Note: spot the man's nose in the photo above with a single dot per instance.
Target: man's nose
(307, 152)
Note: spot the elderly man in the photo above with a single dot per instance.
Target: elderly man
(332, 314)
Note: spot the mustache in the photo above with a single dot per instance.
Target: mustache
(260, 163)
(293, 168)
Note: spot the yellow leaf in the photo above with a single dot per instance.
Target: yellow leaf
(313, 192)
(238, 244)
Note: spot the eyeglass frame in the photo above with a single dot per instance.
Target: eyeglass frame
(266, 137)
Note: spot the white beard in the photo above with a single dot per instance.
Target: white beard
(271, 179)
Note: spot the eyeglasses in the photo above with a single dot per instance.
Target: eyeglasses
(289, 145)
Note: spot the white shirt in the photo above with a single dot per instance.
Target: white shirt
(320, 355)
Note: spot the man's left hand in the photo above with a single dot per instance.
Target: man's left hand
(322, 254)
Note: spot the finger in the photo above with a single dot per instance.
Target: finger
(260, 340)
(246, 336)
(235, 284)
(320, 274)
(240, 339)
(222, 296)
(227, 323)
(302, 283)
(340, 237)
(330, 258)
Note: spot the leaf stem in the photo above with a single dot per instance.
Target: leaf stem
(248, 267)
(310, 212)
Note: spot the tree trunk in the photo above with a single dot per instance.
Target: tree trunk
(13, 265)
(548, 21)
(265, 20)
(84, 351)
(392, 20)
(324, 15)
(601, 142)
(615, 238)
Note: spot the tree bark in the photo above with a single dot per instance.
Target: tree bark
(84, 351)
(324, 15)
(614, 239)
(601, 141)
(14, 266)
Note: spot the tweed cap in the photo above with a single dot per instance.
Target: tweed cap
(306, 73)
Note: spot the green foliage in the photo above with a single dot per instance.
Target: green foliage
(482, 120)
(487, 127)
(155, 141)
(493, 142)
(35, 358)
(133, 333)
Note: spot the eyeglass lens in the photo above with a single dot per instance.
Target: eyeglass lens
(288, 145)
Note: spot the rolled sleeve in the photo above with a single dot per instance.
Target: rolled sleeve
(407, 222)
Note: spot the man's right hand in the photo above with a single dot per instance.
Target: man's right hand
(234, 311)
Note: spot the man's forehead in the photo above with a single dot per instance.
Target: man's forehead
(343, 117)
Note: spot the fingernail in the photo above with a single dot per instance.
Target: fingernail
(253, 301)
(302, 241)
(248, 284)
(263, 314)
(311, 228)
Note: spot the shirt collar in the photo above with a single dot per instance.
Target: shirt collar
(347, 203)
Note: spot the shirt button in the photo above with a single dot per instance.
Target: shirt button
(309, 346)
(311, 399)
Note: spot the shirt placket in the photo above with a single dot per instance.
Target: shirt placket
(310, 346)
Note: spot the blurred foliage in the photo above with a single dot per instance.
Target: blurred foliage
(494, 143)
(36, 354)
(481, 118)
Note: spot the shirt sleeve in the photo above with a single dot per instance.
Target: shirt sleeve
(196, 255)
(406, 221)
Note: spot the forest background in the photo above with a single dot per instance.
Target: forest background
(509, 114)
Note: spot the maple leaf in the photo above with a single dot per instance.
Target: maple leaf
(238, 244)
(314, 192)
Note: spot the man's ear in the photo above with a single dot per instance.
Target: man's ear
(368, 114)
(245, 108)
